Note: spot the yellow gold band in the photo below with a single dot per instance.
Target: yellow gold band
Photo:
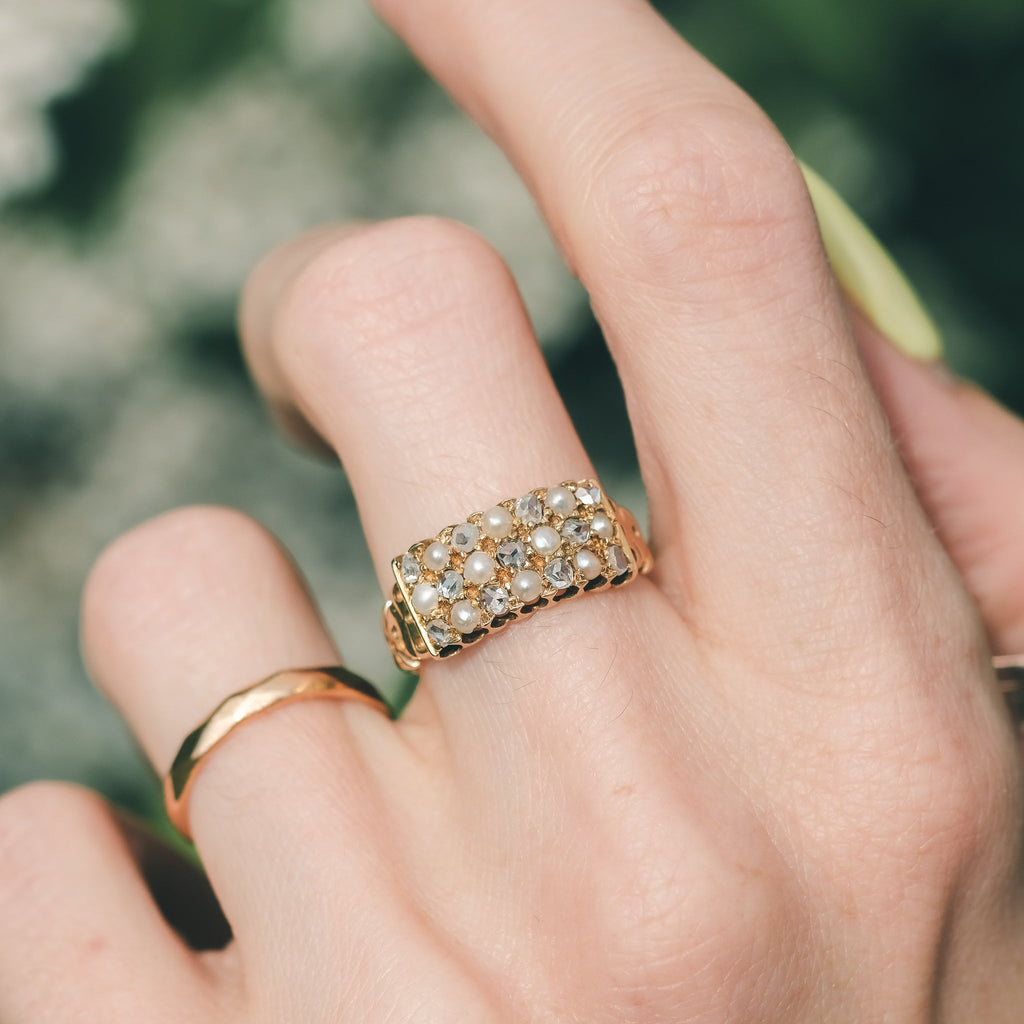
(332, 683)
(1010, 673)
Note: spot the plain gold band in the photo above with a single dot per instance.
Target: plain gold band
(1010, 673)
(288, 687)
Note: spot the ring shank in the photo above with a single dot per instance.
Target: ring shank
(287, 687)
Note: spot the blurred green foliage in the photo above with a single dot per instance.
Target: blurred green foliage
(912, 109)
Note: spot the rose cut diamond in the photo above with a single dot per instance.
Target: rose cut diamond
(617, 561)
(410, 568)
(494, 600)
(512, 554)
(449, 586)
(464, 537)
(529, 509)
(559, 574)
(439, 632)
(576, 531)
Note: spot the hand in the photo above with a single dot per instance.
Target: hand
(774, 782)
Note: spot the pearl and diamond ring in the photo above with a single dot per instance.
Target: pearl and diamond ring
(485, 572)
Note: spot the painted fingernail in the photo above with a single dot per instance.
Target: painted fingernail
(869, 275)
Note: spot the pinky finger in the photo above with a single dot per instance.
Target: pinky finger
(80, 937)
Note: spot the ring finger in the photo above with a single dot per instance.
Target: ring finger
(407, 347)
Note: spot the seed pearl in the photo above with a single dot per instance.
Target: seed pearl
(545, 540)
(561, 500)
(424, 598)
(588, 563)
(602, 526)
(436, 556)
(526, 586)
(465, 616)
(479, 567)
(496, 522)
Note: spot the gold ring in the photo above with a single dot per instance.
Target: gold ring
(498, 566)
(1010, 673)
(281, 688)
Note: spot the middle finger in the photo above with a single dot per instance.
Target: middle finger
(686, 217)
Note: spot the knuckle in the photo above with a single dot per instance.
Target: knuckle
(161, 563)
(687, 197)
(677, 903)
(36, 822)
(973, 794)
(946, 794)
(383, 288)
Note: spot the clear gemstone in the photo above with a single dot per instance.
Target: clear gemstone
(439, 632)
(529, 509)
(559, 574)
(494, 599)
(576, 531)
(617, 560)
(410, 568)
(512, 554)
(436, 556)
(465, 616)
(449, 586)
(561, 500)
(588, 495)
(478, 568)
(464, 537)
(602, 526)
(545, 540)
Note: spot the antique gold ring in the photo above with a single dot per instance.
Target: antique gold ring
(497, 566)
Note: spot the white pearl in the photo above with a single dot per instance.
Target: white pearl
(588, 563)
(602, 526)
(496, 522)
(465, 616)
(424, 598)
(464, 537)
(545, 540)
(436, 556)
(561, 500)
(479, 567)
(526, 586)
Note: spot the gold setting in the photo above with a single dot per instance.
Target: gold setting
(588, 521)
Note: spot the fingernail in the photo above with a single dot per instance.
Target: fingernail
(870, 276)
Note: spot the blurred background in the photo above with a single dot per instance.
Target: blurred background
(151, 150)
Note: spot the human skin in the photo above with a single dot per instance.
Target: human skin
(773, 782)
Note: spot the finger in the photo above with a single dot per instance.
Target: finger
(392, 340)
(78, 928)
(965, 455)
(687, 219)
(197, 605)
(407, 346)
